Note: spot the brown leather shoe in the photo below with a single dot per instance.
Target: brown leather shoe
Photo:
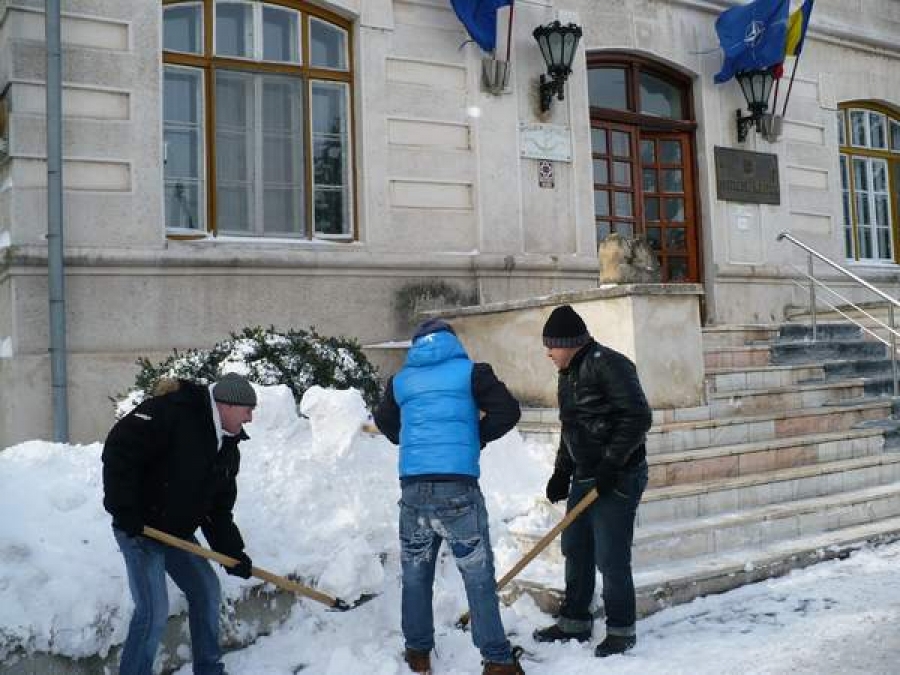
(418, 661)
(514, 668)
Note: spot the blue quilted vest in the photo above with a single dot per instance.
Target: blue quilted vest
(438, 414)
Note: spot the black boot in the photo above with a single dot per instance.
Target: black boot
(615, 644)
(556, 634)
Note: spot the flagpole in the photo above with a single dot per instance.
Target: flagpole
(787, 96)
(512, 7)
(775, 100)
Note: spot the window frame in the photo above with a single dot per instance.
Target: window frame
(208, 62)
(848, 152)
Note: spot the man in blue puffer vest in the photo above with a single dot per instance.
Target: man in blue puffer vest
(442, 409)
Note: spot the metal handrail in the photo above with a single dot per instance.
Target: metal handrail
(892, 302)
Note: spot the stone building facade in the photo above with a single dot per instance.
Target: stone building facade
(340, 164)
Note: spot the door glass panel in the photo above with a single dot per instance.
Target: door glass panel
(654, 238)
(603, 230)
(601, 203)
(622, 173)
(651, 208)
(598, 141)
(672, 180)
(281, 34)
(601, 171)
(648, 152)
(607, 89)
(649, 180)
(234, 29)
(675, 238)
(328, 45)
(670, 152)
(622, 204)
(661, 98)
(678, 268)
(624, 229)
(621, 144)
(674, 209)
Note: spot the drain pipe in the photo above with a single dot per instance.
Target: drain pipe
(55, 262)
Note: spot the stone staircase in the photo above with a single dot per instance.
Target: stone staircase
(791, 461)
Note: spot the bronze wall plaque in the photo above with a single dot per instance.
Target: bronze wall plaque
(744, 176)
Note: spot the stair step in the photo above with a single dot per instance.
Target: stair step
(807, 351)
(736, 357)
(700, 500)
(725, 461)
(761, 377)
(752, 401)
(736, 335)
(543, 425)
(824, 331)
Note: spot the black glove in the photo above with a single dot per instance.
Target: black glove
(558, 486)
(130, 524)
(243, 569)
(605, 479)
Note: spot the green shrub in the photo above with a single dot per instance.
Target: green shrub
(296, 358)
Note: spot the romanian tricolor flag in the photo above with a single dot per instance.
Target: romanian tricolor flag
(796, 29)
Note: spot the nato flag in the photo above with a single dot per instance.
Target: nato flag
(480, 19)
(752, 36)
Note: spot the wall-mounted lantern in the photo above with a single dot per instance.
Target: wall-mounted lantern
(558, 44)
(756, 85)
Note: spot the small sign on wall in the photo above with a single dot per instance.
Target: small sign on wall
(545, 174)
(748, 177)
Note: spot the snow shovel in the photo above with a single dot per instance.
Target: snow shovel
(281, 582)
(585, 502)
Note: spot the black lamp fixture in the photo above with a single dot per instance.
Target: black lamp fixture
(558, 44)
(756, 86)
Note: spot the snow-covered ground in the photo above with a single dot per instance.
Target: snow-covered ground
(318, 498)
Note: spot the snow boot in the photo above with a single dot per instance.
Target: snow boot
(514, 668)
(615, 644)
(556, 634)
(418, 661)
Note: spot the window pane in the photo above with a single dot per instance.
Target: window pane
(622, 173)
(670, 152)
(879, 175)
(841, 122)
(603, 230)
(601, 203)
(601, 171)
(606, 88)
(860, 175)
(848, 242)
(651, 208)
(331, 180)
(678, 269)
(282, 160)
(622, 204)
(877, 132)
(882, 210)
(674, 209)
(234, 29)
(845, 178)
(624, 229)
(182, 28)
(884, 243)
(895, 136)
(649, 180)
(672, 180)
(235, 152)
(598, 141)
(675, 239)
(328, 45)
(183, 148)
(654, 238)
(281, 34)
(648, 152)
(621, 144)
(865, 243)
(863, 216)
(858, 127)
(233, 206)
(661, 98)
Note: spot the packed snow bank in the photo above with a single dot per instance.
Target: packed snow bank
(316, 498)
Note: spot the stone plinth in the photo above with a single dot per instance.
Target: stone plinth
(656, 325)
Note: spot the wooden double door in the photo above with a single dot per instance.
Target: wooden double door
(644, 186)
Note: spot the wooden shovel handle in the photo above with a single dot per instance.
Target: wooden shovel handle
(228, 561)
(536, 550)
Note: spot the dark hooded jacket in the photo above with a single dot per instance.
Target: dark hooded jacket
(604, 413)
(162, 468)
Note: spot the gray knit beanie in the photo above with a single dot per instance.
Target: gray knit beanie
(234, 389)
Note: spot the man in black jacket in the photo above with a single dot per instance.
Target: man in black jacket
(171, 464)
(605, 418)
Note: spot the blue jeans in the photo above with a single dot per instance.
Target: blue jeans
(147, 563)
(430, 512)
(602, 536)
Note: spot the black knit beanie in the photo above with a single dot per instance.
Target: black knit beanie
(565, 328)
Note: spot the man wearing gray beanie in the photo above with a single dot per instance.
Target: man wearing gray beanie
(171, 464)
(605, 418)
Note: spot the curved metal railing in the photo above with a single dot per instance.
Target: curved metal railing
(892, 303)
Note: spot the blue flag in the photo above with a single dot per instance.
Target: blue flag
(752, 36)
(480, 19)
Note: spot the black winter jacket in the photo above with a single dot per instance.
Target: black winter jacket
(162, 467)
(603, 411)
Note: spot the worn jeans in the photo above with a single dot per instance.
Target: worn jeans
(147, 563)
(433, 511)
(602, 536)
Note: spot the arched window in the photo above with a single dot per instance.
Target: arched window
(869, 138)
(642, 137)
(256, 119)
